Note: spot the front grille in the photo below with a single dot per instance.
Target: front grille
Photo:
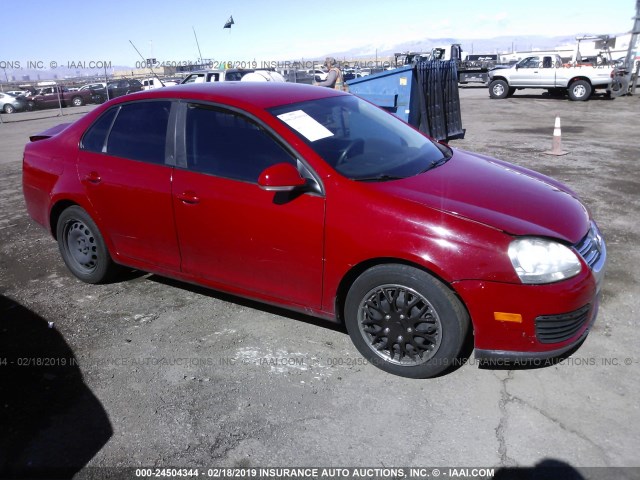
(590, 247)
(558, 328)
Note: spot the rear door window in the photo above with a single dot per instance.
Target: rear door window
(139, 131)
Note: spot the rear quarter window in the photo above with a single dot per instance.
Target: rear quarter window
(95, 138)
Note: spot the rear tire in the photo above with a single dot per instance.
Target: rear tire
(580, 91)
(405, 321)
(77, 101)
(82, 247)
(498, 89)
(8, 108)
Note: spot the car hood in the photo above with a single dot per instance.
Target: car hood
(498, 194)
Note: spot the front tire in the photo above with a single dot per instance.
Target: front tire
(8, 108)
(82, 247)
(405, 321)
(580, 90)
(498, 89)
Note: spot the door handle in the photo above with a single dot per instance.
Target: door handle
(189, 197)
(93, 177)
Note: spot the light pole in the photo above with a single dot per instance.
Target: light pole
(5, 77)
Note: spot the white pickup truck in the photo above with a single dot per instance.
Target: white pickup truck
(548, 71)
(233, 75)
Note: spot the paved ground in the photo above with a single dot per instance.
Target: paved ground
(166, 374)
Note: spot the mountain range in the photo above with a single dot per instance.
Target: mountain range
(505, 44)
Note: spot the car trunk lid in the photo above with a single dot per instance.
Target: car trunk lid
(50, 132)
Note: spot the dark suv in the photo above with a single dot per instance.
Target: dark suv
(118, 88)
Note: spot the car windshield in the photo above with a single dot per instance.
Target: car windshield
(361, 141)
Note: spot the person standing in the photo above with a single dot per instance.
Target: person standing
(334, 77)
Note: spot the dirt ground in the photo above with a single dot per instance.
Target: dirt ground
(160, 373)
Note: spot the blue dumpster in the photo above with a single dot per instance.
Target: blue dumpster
(424, 95)
(390, 90)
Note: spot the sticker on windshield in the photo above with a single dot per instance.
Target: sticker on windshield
(305, 125)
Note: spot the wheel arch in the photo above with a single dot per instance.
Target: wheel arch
(56, 210)
(355, 271)
(575, 79)
(59, 205)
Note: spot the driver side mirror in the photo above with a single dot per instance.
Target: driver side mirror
(282, 177)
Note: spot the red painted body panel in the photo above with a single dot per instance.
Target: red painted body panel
(484, 298)
(133, 201)
(455, 221)
(38, 180)
(239, 234)
(451, 247)
(490, 193)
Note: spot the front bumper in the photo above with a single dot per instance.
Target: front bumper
(513, 356)
(533, 322)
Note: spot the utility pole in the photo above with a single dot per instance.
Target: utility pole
(630, 61)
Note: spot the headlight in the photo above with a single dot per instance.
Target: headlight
(537, 260)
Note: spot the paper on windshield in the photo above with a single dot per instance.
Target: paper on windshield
(305, 125)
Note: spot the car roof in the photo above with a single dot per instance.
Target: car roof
(258, 94)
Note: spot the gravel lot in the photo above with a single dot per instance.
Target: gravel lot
(161, 373)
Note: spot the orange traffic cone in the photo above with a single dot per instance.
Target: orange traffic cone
(556, 147)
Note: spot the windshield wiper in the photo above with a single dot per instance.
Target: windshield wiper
(435, 164)
(384, 177)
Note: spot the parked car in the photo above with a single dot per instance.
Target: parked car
(116, 89)
(349, 74)
(548, 71)
(153, 82)
(318, 74)
(233, 75)
(93, 86)
(124, 87)
(17, 93)
(11, 103)
(98, 91)
(56, 95)
(317, 201)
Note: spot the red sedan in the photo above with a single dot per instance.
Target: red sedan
(317, 201)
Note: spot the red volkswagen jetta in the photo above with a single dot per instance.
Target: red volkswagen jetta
(317, 201)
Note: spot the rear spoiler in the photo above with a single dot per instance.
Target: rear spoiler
(50, 132)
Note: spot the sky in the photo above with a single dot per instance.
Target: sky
(77, 30)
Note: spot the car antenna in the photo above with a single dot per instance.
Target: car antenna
(198, 44)
(148, 63)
